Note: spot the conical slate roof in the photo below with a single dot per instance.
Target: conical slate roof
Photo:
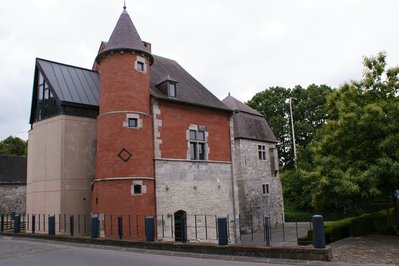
(125, 37)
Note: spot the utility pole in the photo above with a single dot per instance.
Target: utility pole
(293, 131)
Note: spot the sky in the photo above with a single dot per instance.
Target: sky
(241, 47)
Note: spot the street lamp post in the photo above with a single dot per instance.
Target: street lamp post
(293, 131)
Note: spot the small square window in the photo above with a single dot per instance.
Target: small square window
(265, 188)
(137, 189)
(172, 90)
(140, 66)
(132, 122)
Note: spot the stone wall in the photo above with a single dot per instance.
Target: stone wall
(199, 189)
(13, 198)
(251, 174)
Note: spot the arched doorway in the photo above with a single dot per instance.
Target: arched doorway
(180, 226)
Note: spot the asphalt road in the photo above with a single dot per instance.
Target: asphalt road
(17, 251)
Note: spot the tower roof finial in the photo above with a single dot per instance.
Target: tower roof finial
(124, 4)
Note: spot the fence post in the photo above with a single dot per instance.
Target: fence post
(222, 229)
(120, 227)
(268, 233)
(318, 231)
(71, 224)
(149, 229)
(95, 229)
(17, 223)
(33, 223)
(51, 225)
(2, 223)
(282, 221)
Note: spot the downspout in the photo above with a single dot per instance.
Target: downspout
(232, 150)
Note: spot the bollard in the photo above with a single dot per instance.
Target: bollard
(120, 227)
(95, 229)
(222, 229)
(319, 240)
(51, 225)
(149, 229)
(33, 224)
(2, 223)
(17, 223)
(71, 224)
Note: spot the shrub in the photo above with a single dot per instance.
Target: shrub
(369, 223)
(362, 225)
(337, 230)
(297, 216)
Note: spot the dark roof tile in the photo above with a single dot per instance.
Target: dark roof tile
(189, 90)
(125, 36)
(248, 123)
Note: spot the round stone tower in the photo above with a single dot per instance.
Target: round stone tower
(124, 183)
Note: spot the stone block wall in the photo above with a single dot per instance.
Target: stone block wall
(198, 188)
(252, 175)
(13, 198)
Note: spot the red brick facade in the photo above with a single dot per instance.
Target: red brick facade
(123, 91)
(176, 119)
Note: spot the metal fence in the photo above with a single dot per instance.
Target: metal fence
(175, 227)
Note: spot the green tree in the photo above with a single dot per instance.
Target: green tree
(309, 113)
(356, 153)
(13, 146)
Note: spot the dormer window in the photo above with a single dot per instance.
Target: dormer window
(168, 86)
(172, 90)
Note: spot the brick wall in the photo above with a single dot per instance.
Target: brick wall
(174, 121)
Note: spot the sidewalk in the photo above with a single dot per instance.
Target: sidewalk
(372, 249)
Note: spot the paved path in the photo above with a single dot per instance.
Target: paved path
(373, 249)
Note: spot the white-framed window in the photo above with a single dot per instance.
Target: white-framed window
(133, 120)
(198, 144)
(140, 64)
(138, 188)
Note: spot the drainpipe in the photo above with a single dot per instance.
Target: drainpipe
(232, 148)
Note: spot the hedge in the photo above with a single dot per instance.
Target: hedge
(370, 223)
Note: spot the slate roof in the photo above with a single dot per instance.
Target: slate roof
(13, 169)
(189, 90)
(81, 86)
(248, 123)
(71, 84)
(125, 37)
(235, 104)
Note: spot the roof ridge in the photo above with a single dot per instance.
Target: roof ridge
(68, 65)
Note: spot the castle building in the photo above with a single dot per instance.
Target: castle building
(138, 136)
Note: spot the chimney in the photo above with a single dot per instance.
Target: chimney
(147, 46)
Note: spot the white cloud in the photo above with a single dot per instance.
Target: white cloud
(236, 46)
